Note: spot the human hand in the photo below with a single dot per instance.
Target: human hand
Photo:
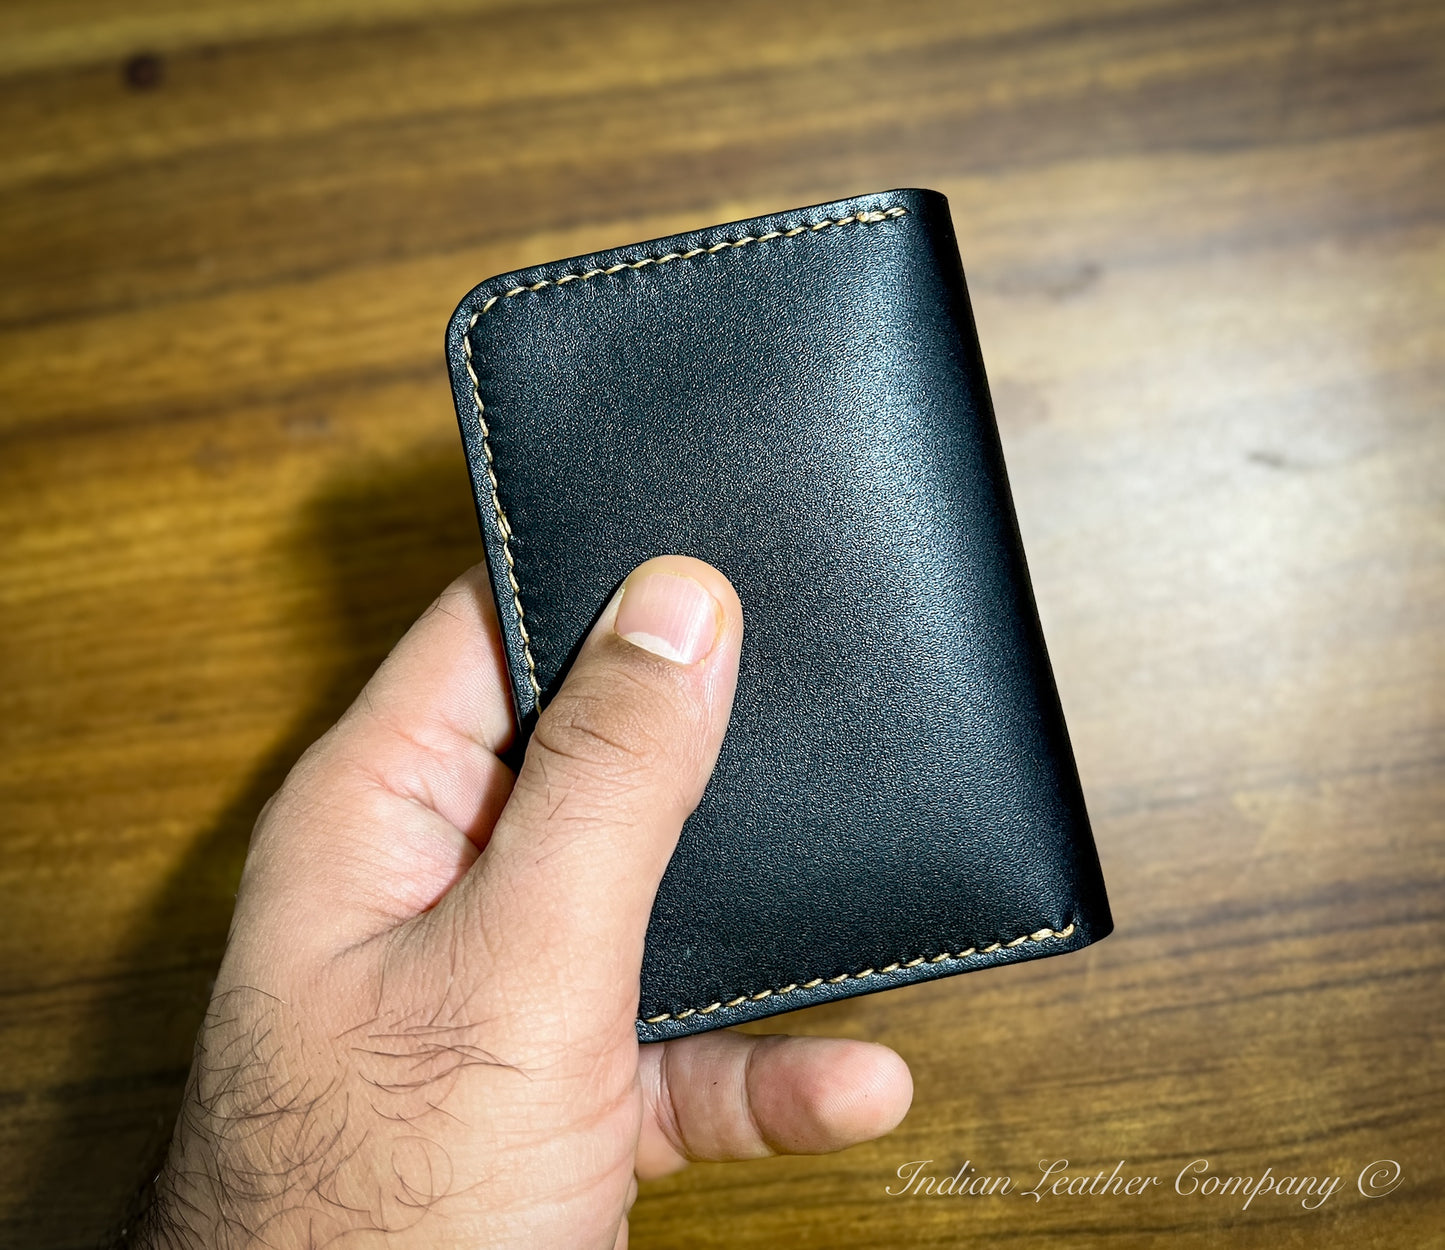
(422, 1033)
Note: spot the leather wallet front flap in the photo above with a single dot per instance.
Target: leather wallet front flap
(800, 401)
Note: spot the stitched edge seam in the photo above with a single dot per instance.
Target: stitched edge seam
(501, 515)
(863, 218)
(1039, 935)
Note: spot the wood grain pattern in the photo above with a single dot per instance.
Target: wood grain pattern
(1206, 244)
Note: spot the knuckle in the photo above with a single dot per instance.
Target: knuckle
(582, 730)
(614, 731)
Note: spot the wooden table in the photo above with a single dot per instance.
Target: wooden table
(1206, 246)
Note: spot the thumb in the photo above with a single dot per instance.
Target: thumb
(617, 761)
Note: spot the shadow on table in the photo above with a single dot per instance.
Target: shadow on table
(385, 539)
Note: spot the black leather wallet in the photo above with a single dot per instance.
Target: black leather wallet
(799, 400)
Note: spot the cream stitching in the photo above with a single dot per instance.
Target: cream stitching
(501, 516)
(1039, 935)
(864, 218)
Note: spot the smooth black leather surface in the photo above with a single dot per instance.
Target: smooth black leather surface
(896, 798)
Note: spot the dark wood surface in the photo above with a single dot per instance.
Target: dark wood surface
(1206, 244)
